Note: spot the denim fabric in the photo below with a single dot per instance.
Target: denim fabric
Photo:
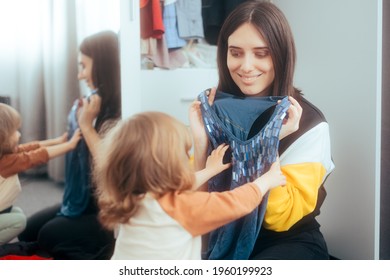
(77, 173)
(230, 120)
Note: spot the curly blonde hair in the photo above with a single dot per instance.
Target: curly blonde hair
(10, 121)
(148, 152)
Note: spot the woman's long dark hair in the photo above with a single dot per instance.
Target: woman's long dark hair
(103, 48)
(275, 30)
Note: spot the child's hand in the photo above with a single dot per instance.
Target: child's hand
(214, 166)
(75, 138)
(61, 139)
(54, 141)
(271, 179)
(215, 159)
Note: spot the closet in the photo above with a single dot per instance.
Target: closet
(170, 91)
(339, 68)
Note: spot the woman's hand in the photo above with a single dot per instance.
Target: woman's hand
(196, 121)
(291, 124)
(198, 131)
(211, 95)
(88, 111)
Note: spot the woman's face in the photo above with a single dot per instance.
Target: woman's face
(85, 70)
(249, 61)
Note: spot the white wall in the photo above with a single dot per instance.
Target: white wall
(338, 45)
(172, 91)
(130, 57)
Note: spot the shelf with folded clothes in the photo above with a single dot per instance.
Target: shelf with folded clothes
(167, 78)
(195, 54)
(172, 35)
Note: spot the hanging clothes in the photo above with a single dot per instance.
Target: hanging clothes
(189, 19)
(151, 20)
(172, 37)
(214, 13)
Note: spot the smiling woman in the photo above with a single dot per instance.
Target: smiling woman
(85, 70)
(38, 54)
(256, 59)
(249, 61)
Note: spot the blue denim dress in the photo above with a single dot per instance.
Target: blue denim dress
(77, 191)
(229, 120)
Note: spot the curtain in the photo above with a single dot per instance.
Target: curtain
(59, 73)
(38, 70)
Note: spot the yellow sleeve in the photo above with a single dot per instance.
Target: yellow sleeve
(290, 203)
(306, 164)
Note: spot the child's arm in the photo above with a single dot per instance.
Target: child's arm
(14, 163)
(55, 141)
(273, 178)
(64, 147)
(33, 145)
(202, 212)
(214, 165)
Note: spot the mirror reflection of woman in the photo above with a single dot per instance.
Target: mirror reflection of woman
(71, 230)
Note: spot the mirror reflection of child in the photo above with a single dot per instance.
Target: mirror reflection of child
(16, 158)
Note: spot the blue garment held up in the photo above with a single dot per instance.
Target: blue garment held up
(77, 172)
(230, 120)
